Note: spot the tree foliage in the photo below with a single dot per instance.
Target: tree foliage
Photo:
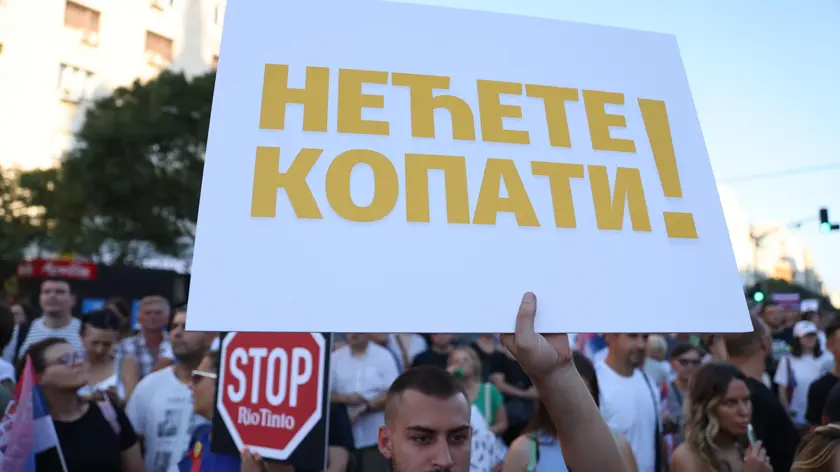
(131, 184)
(19, 225)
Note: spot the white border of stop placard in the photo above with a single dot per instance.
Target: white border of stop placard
(305, 428)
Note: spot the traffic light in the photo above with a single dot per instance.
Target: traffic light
(758, 296)
(826, 226)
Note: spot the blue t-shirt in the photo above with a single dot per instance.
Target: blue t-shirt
(200, 458)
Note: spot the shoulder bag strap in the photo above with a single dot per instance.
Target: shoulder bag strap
(658, 433)
(533, 453)
(677, 394)
(488, 415)
(110, 414)
(22, 333)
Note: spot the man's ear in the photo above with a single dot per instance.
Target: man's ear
(384, 442)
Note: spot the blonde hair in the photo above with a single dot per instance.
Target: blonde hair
(470, 352)
(816, 452)
(708, 386)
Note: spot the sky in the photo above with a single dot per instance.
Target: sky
(765, 77)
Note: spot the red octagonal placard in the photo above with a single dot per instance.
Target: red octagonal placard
(271, 389)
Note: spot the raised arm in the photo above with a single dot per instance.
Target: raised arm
(588, 444)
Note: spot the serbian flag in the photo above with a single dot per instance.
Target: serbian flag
(27, 428)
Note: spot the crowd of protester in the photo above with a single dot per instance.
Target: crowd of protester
(125, 399)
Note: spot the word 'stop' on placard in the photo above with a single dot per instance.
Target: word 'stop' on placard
(373, 175)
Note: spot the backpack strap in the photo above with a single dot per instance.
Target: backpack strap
(110, 414)
(22, 333)
(488, 415)
(534, 452)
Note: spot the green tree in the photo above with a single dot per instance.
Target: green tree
(131, 184)
(18, 224)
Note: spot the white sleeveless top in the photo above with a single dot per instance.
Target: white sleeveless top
(111, 382)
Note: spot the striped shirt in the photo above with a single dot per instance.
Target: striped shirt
(39, 331)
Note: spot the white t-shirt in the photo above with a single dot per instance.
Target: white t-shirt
(806, 369)
(370, 375)
(7, 371)
(628, 407)
(415, 345)
(487, 450)
(161, 411)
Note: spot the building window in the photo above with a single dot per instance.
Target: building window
(75, 84)
(84, 20)
(158, 50)
(80, 17)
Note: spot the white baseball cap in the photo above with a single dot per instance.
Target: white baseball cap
(804, 328)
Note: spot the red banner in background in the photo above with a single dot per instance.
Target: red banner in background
(64, 269)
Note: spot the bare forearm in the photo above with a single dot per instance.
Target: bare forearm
(588, 445)
(342, 398)
(378, 403)
(506, 388)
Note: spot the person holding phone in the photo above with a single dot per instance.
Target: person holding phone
(717, 426)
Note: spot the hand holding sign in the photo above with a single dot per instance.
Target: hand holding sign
(539, 355)
(548, 360)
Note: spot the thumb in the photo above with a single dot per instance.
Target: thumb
(525, 317)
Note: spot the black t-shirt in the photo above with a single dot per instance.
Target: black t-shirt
(341, 430)
(514, 375)
(430, 357)
(89, 443)
(772, 425)
(486, 361)
(817, 397)
(831, 410)
(785, 335)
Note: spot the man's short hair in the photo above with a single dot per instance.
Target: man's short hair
(57, 280)
(657, 343)
(745, 344)
(429, 380)
(683, 347)
(155, 300)
(767, 304)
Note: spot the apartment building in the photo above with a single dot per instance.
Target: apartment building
(58, 55)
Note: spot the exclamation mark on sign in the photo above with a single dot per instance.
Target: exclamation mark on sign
(677, 224)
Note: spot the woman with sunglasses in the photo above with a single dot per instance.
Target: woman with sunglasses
(92, 436)
(199, 457)
(685, 358)
(108, 371)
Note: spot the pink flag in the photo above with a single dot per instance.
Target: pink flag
(17, 429)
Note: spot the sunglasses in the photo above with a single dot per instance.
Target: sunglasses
(198, 375)
(689, 362)
(68, 358)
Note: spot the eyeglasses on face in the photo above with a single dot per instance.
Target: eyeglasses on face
(689, 362)
(68, 358)
(198, 375)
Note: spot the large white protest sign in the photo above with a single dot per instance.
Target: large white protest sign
(386, 167)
